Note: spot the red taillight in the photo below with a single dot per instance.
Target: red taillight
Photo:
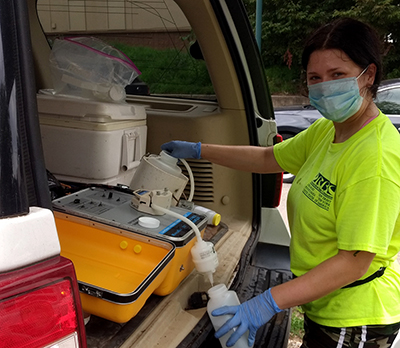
(39, 317)
(40, 307)
(279, 179)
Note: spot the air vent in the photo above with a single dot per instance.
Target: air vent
(203, 179)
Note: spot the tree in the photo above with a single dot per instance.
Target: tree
(287, 24)
(384, 16)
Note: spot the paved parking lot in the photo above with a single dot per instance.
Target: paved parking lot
(282, 206)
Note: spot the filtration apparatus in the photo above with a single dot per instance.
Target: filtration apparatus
(122, 255)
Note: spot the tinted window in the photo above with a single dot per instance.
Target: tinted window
(155, 35)
(389, 101)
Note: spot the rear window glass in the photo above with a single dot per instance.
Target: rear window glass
(388, 101)
(155, 35)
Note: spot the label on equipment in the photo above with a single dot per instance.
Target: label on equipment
(179, 228)
(207, 253)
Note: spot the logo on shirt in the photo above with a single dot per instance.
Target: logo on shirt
(320, 191)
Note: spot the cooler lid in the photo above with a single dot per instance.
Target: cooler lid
(88, 110)
(83, 123)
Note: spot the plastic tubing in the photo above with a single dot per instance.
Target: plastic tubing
(181, 217)
(191, 178)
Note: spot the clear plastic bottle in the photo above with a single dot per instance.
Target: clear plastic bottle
(220, 296)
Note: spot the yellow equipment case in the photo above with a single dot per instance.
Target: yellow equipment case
(119, 263)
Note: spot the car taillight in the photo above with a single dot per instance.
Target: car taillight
(279, 179)
(40, 307)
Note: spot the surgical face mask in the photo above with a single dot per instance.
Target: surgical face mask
(337, 100)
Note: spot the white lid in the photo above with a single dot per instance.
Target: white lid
(52, 105)
(148, 222)
(117, 93)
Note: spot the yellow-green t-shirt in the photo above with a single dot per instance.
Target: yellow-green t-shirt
(346, 196)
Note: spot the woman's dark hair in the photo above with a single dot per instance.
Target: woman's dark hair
(357, 39)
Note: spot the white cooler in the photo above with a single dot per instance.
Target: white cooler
(90, 141)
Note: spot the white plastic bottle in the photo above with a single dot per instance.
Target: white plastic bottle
(205, 258)
(220, 296)
(213, 218)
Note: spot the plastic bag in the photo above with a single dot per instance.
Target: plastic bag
(87, 67)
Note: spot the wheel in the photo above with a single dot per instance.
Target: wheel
(288, 177)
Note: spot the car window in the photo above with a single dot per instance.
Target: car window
(155, 35)
(388, 101)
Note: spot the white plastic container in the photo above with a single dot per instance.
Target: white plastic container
(213, 218)
(220, 296)
(91, 141)
(157, 172)
(205, 258)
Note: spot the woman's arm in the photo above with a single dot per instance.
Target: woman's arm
(332, 274)
(253, 159)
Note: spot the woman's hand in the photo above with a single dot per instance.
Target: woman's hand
(250, 315)
(182, 149)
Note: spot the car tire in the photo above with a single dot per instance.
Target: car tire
(287, 177)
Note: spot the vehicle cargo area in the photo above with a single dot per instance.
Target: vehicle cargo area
(125, 212)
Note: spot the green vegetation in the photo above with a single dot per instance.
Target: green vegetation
(282, 80)
(296, 328)
(287, 24)
(285, 27)
(169, 71)
(176, 72)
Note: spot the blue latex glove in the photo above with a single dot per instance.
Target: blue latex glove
(182, 149)
(250, 315)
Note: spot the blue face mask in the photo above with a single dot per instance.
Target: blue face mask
(336, 100)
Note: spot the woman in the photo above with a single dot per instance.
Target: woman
(343, 206)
